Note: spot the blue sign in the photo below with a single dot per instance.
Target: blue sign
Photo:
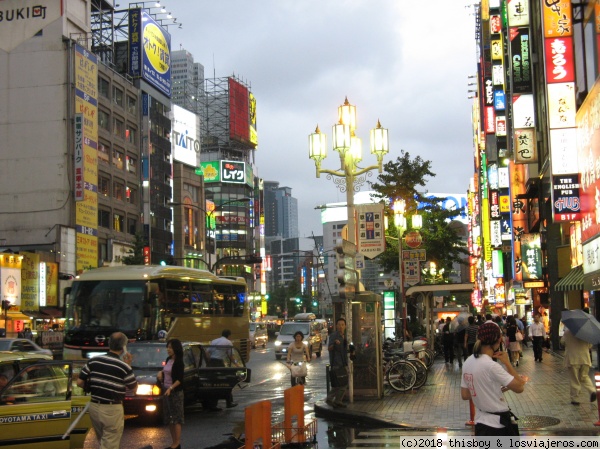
(499, 100)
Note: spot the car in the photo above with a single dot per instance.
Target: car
(201, 383)
(22, 345)
(258, 335)
(312, 337)
(38, 403)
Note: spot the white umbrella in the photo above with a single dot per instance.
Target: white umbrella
(460, 322)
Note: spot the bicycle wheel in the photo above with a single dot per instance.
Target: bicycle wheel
(402, 376)
(427, 356)
(421, 371)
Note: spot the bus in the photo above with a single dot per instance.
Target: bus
(150, 302)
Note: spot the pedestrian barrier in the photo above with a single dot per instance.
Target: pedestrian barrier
(597, 378)
(294, 429)
(258, 427)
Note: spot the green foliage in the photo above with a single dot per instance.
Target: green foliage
(401, 179)
(136, 256)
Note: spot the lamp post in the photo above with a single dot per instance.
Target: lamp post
(401, 225)
(208, 215)
(348, 178)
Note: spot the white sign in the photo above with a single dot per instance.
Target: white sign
(360, 261)
(370, 230)
(564, 159)
(184, 137)
(591, 256)
(412, 272)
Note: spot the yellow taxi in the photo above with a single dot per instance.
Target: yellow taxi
(38, 404)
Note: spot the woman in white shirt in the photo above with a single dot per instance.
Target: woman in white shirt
(298, 353)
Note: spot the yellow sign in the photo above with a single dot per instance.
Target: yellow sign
(87, 252)
(30, 282)
(157, 48)
(52, 284)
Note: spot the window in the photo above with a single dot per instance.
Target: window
(131, 195)
(119, 191)
(103, 86)
(131, 226)
(118, 96)
(119, 221)
(104, 185)
(118, 159)
(103, 153)
(131, 165)
(131, 105)
(103, 218)
(103, 118)
(130, 134)
(118, 128)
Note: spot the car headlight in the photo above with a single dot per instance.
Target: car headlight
(305, 342)
(147, 390)
(277, 343)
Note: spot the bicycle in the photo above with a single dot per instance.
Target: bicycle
(298, 380)
(400, 374)
(412, 358)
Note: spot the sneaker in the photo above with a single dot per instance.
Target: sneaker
(593, 397)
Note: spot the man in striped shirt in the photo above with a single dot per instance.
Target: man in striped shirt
(108, 377)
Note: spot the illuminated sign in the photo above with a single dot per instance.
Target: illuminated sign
(566, 205)
(525, 146)
(558, 18)
(521, 59)
(560, 67)
(370, 229)
(233, 172)
(149, 51)
(523, 111)
(562, 142)
(561, 105)
(531, 254)
(184, 136)
(517, 13)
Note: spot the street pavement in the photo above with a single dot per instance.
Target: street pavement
(544, 406)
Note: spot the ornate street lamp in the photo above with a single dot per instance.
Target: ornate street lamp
(349, 177)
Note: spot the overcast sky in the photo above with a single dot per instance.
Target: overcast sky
(404, 63)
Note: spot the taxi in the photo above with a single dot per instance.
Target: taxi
(38, 404)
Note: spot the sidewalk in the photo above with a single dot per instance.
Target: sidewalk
(544, 405)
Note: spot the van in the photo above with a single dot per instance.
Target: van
(305, 324)
(324, 330)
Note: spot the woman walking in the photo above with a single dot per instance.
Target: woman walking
(171, 378)
(298, 353)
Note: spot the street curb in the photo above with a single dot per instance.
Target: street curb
(348, 415)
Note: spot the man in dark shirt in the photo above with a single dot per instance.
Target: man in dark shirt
(108, 377)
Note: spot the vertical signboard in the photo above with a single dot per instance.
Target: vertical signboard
(531, 251)
(566, 205)
(86, 210)
(30, 282)
(370, 230)
(149, 50)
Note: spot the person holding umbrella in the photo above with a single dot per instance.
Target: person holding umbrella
(581, 331)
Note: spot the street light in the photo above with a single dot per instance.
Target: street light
(208, 215)
(348, 178)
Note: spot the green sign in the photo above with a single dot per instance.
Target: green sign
(210, 170)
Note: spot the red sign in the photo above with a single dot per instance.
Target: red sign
(559, 60)
(413, 239)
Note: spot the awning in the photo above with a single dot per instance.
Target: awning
(572, 281)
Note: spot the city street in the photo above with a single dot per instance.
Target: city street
(543, 408)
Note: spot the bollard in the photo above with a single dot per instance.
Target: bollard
(597, 378)
(327, 384)
(471, 421)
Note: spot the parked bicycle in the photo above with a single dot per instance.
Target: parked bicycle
(418, 364)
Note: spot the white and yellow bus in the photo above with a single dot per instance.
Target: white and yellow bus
(153, 302)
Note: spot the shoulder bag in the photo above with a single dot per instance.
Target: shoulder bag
(519, 336)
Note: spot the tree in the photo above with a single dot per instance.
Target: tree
(401, 179)
(136, 255)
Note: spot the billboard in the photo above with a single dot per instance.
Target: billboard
(149, 51)
(86, 181)
(239, 112)
(371, 229)
(184, 136)
(566, 205)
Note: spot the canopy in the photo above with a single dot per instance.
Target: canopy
(572, 281)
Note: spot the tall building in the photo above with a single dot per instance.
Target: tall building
(281, 211)
(188, 81)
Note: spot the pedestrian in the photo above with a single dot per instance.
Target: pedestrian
(537, 332)
(220, 355)
(338, 360)
(28, 334)
(108, 377)
(578, 363)
(298, 353)
(448, 342)
(460, 351)
(484, 382)
(171, 378)
(471, 335)
(513, 344)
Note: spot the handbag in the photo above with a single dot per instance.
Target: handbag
(299, 370)
(339, 376)
(519, 336)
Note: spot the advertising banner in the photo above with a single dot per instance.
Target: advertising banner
(52, 284)
(412, 272)
(558, 18)
(233, 172)
(521, 59)
(239, 111)
(30, 282)
(211, 171)
(523, 111)
(525, 146)
(560, 63)
(184, 136)
(149, 50)
(370, 229)
(566, 205)
(562, 142)
(561, 105)
(517, 13)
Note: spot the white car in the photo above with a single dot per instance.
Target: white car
(22, 345)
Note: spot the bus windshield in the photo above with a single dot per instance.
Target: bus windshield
(107, 304)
